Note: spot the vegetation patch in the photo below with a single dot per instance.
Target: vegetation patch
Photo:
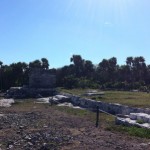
(140, 121)
(133, 131)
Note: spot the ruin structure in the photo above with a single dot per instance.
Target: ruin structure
(41, 84)
(40, 78)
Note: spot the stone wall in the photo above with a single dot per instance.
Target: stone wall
(112, 108)
(39, 78)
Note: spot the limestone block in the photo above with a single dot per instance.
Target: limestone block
(6, 102)
(133, 116)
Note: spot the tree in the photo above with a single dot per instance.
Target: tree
(45, 63)
(78, 64)
(35, 64)
(139, 68)
(1, 63)
(18, 73)
(129, 61)
(107, 70)
(1, 72)
(88, 69)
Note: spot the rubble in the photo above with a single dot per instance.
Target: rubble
(25, 92)
(135, 119)
(69, 105)
(28, 133)
(6, 102)
(54, 100)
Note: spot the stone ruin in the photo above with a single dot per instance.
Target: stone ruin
(40, 78)
(41, 84)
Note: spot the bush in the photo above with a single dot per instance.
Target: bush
(85, 83)
(70, 82)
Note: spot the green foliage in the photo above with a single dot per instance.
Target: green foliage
(76, 112)
(70, 82)
(107, 75)
(85, 83)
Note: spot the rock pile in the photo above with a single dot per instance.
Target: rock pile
(6, 102)
(54, 100)
(28, 133)
(24, 92)
(135, 119)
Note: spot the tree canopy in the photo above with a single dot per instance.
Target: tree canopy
(81, 73)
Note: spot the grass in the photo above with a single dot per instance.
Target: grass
(71, 111)
(140, 121)
(107, 122)
(134, 99)
(73, 91)
(26, 105)
(104, 120)
(132, 131)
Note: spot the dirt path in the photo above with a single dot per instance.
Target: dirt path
(43, 128)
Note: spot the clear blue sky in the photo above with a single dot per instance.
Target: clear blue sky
(56, 29)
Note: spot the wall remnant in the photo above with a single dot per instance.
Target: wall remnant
(40, 78)
(41, 84)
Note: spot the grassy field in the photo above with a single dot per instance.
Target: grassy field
(135, 99)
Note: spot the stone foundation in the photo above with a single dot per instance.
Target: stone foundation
(112, 108)
(20, 93)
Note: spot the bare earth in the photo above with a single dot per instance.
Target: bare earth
(47, 128)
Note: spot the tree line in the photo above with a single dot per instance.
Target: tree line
(81, 73)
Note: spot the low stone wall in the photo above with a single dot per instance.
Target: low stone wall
(112, 108)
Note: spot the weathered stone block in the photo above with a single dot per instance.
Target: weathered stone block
(39, 78)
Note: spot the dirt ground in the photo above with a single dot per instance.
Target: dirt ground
(41, 127)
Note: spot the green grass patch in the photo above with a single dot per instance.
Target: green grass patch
(73, 91)
(104, 119)
(72, 111)
(140, 121)
(133, 131)
(134, 99)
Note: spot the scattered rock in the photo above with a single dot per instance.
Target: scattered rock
(41, 134)
(6, 103)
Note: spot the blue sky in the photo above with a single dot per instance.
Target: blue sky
(57, 29)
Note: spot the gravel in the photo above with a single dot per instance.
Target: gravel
(49, 128)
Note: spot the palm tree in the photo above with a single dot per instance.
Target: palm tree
(1, 63)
